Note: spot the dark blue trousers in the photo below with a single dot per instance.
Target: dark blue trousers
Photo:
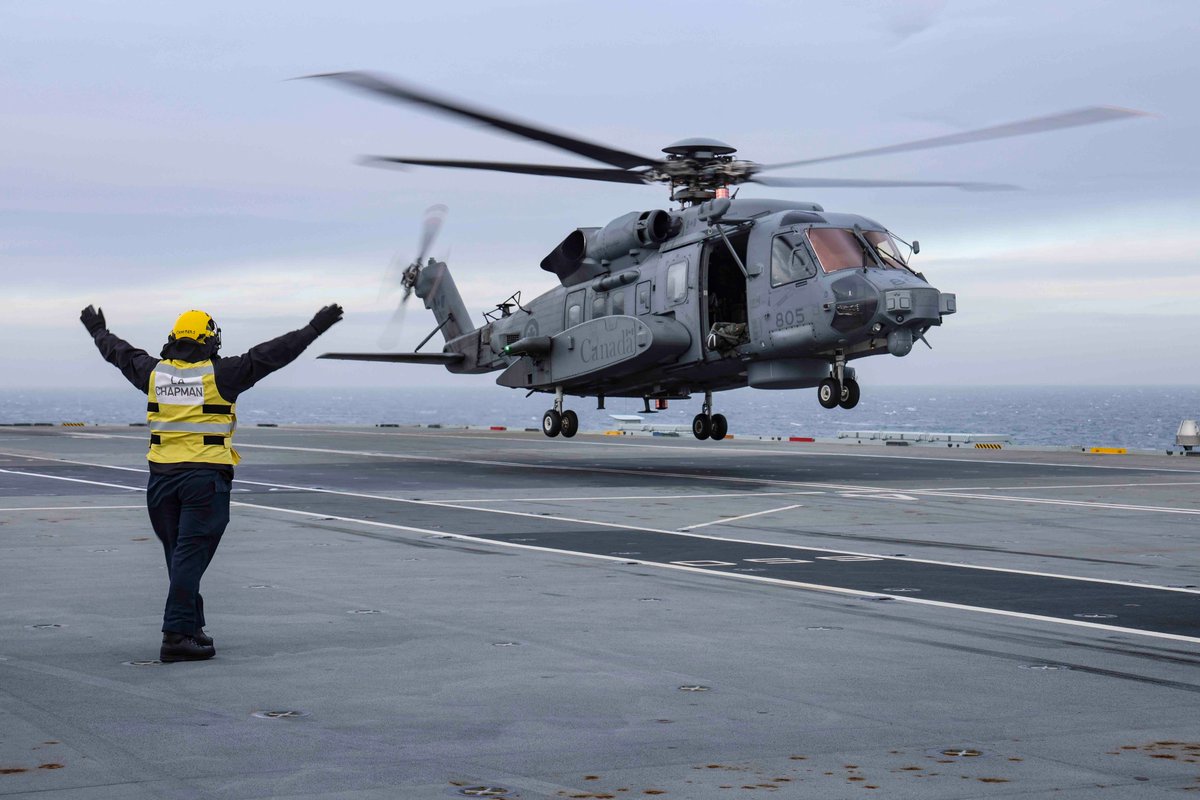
(189, 511)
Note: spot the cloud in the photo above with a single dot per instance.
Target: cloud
(905, 20)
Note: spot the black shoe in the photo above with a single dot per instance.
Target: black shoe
(202, 638)
(177, 647)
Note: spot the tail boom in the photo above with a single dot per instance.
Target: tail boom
(438, 292)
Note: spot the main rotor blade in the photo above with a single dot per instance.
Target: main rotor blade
(375, 84)
(853, 183)
(587, 173)
(1069, 119)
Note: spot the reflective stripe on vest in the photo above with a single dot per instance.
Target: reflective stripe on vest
(189, 419)
(195, 427)
(190, 370)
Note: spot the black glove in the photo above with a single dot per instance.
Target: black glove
(326, 318)
(93, 319)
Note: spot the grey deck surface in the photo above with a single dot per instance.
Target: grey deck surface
(457, 610)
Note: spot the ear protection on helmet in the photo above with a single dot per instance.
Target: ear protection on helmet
(197, 326)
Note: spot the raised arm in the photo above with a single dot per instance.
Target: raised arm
(236, 374)
(136, 365)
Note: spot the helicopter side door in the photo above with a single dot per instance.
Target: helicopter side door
(573, 309)
(676, 294)
(784, 297)
(724, 311)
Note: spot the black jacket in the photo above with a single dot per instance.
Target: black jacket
(233, 374)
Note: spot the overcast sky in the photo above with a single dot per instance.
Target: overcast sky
(155, 158)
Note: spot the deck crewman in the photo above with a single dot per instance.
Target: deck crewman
(191, 392)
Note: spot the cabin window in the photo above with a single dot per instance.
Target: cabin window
(790, 260)
(618, 299)
(839, 248)
(643, 297)
(598, 303)
(575, 308)
(677, 277)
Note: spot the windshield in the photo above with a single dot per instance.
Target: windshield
(886, 249)
(842, 248)
(839, 248)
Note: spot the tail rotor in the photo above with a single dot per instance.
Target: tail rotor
(406, 280)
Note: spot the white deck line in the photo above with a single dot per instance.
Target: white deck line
(735, 448)
(726, 520)
(67, 508)
(740, 576)
(616, 525)
(697, 570)
(606, 498)
(758, 481)
(727, 479)
(738, 448)
(1067, 486)
(1090, 504)
(72, 480)
(769, 481)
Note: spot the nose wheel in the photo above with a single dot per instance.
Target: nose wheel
(556, 420)
(707, 425)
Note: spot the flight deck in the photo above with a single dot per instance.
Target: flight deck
(404, 612)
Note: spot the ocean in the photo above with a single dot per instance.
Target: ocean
(1142, 417)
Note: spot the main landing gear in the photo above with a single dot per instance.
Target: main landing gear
(556, 421)
(707, 425)
(840, 389)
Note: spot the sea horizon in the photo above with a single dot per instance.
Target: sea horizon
(1116, 416)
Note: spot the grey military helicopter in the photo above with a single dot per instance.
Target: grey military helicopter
(715, 293)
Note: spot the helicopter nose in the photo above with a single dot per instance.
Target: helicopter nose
(905, 310)
(910, 305)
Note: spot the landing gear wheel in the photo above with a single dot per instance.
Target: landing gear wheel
(829, 393)
(720, 427)
(702, 426)
(552, 423)
(570, 423)
(850, 394)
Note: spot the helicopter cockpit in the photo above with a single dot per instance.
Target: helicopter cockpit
(796, 255)
(842, 248)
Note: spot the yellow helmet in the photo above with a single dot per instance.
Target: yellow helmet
(198, 326)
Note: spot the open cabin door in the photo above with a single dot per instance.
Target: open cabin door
(723, 309)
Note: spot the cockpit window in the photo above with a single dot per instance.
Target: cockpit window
(790, 260)
(839, 248)
(886, 249)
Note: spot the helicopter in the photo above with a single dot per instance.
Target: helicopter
(712, 294)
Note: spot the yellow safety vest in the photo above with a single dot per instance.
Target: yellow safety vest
(189, 419)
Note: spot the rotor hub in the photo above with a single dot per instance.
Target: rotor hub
(700, 169)
(699, 149)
